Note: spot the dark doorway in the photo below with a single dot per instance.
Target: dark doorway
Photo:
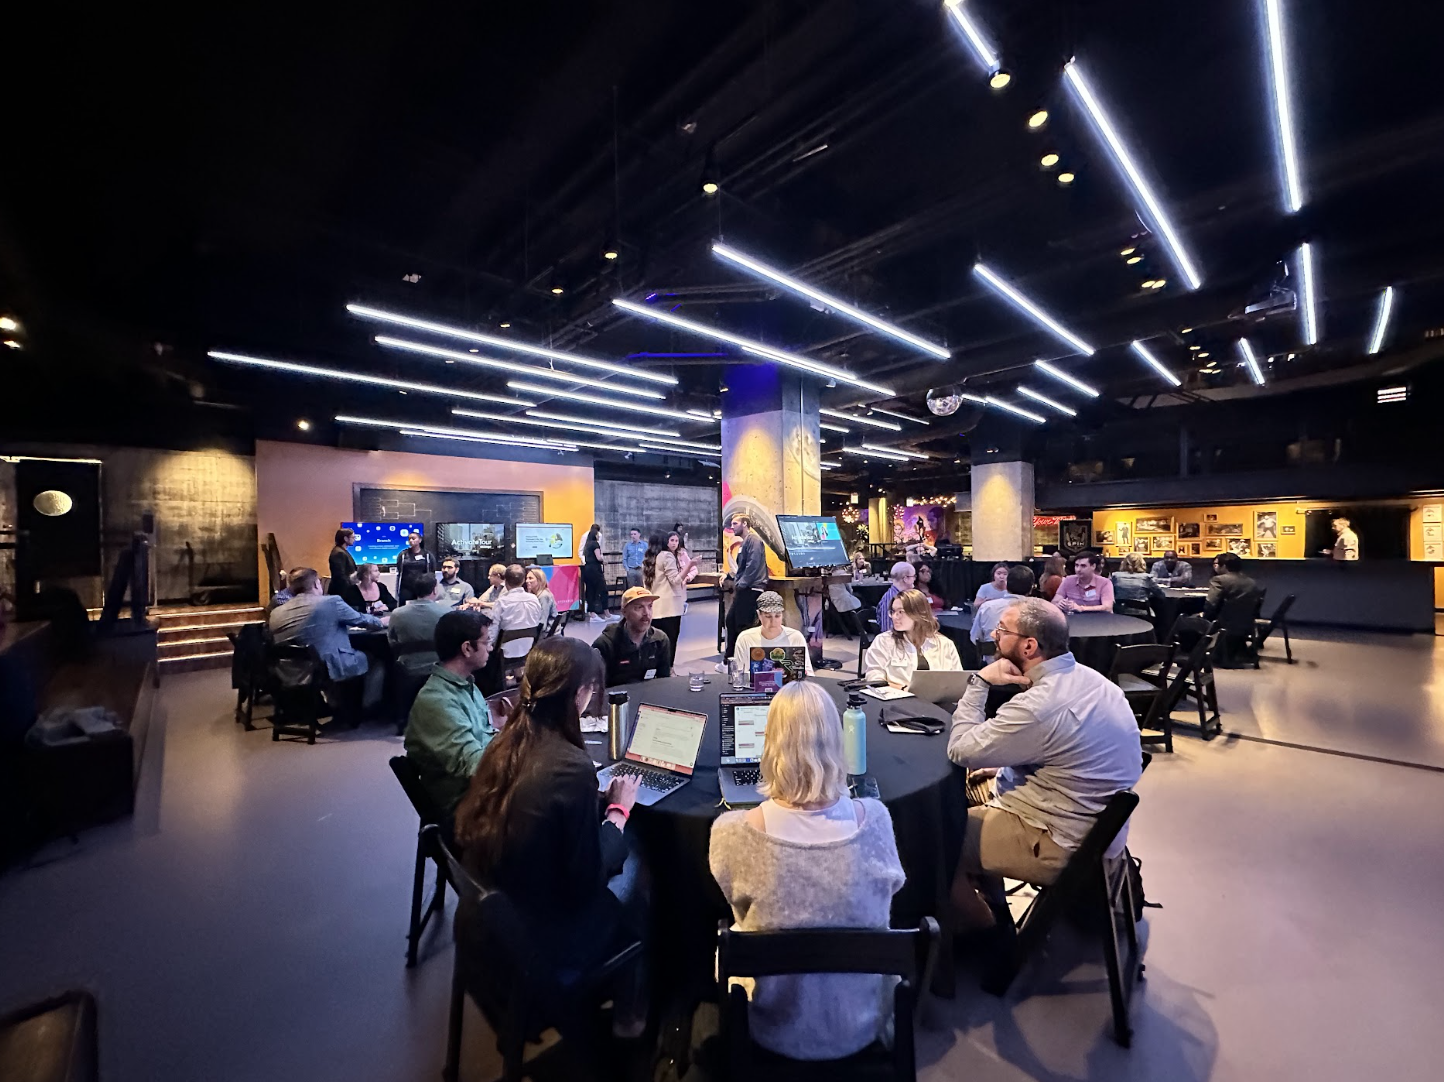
(57, 522)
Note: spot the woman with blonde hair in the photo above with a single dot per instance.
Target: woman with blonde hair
(1131, 582)
(915, 642)
(809, 856)
(536, 585)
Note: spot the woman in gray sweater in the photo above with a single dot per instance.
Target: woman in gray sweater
(810, 857)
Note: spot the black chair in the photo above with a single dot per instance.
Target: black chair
(248, 670)
(1098, 890)
(870, 631)
(518, 994)
(1129, 607)
(295, 678)
(1262, 629)
(404, 683)
(1141, 671)
(1184, 636)
(511, 667)
(1158, 713)
(1237, 625)
(426, 849)
(906, 954)
(558, 622)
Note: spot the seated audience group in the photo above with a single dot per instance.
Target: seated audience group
(912, 642)
(321, 622)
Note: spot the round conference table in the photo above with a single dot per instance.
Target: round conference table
(1174, 602)
(1092, 636)
(923, 791)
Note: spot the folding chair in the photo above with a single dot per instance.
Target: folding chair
(1128, 607)
(1237, 626)
(1186, 632)
(1158, 714)
(1098, 889)
(295, 676)
(1141, 671)
(1262, 629)
(426, 849)
(511, 667)
(248, 670)
(870, 631)
(517, 992)
(558, 622)
(906, 954)
(405, 683)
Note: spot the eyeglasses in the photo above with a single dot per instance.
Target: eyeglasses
(1001, 630)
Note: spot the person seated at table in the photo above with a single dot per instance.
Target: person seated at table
(1043, 767)
(1055, 570)
(536, 585)
(1229, 581)
(861, 566)
(1131, 583)
(809, 856)
(454, 590)
(995, 588)
(1171, 571)
(280, 597)
(341, 563)
(633, 649)
(515, 610)
(412, 628)
(770, 630)
(925, 587)
(531, 825)
(914, 642)
(449, 725)
(321, 621)
(496, 575)
(903, 576)
(1085, 590)
(368, 593)
(1020, 584)
(847, 605)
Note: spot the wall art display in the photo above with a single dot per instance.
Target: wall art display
(1287, 531)
(1213, 545)
(1434, 550)
(1162, 544)
(1187, 529)
(1141, 545)
(1239, 546)
(1224, 529)
(920, 524)
(1103, 537)
(1268, 550)
(1125, 535)
(1433, 512)
(1434, 531)
(1074, 535)
(1210, 518)
(1195, 549)
(1163, 524)
(1265, 525)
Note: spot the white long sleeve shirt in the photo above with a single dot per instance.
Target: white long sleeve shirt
(790, 636)
(894, 661)
(1064, 746)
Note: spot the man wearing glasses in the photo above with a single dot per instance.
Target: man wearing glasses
(1043, 767)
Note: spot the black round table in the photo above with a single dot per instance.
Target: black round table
(1092, 636)
(1174, 602)
(923, 791)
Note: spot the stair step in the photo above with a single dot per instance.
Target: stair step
(194, 647)
(189, 631)
(171, 665)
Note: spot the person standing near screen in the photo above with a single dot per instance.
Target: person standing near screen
(413, 558)
(342, 563)
(748, 582)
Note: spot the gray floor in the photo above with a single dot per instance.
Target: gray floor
(248, 924)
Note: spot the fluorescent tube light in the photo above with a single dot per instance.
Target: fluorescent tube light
(896, 451)
(980, 45)
(1310, 306)
(1028, 392)
(990, 400)
(900, 416)
(1381, 324)
(358, 377)
(1064, 377)
(1153, 362)
(611, 403)
(1031, 309)
(1283, 109)
(1250, 361)
(513, 367)
(870, 421)
(833, 428)
(875, 454)
(610, 426)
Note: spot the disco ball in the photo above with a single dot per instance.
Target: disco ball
(944, 401)
(52, 503)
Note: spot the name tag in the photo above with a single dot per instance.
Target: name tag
(649, 674)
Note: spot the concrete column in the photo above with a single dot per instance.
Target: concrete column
(879, 520)
(1002, 497)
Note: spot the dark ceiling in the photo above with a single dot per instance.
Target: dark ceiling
(200, 180)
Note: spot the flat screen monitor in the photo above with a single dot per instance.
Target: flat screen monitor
(380, 542)
(812, 541)
(552, 539)
(470, 540)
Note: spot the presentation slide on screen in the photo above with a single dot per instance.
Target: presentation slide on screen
(470, 540)
(380, 542)
(812, 541)
(552, 539)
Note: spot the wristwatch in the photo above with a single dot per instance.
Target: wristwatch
(976, 680)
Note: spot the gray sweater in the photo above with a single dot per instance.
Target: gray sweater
(773, 884)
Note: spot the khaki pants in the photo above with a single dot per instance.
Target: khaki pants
(996, 843)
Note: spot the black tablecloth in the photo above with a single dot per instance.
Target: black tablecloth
(1173, 604)
(1092, 636)
(923, 791)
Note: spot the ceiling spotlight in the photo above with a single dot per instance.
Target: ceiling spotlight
(1381, 325)
(1185, 330)
(1195, 347)
(709, 187)
(610, 252)
(999, 80)
(1204, 354)
(1038, 119)
(1134, 259)
(1026, 305)
(504, 326)
(1127, 251)
(304, 425)
(557, 291)
(9, 323)
(1048, 160)
(10, 343)
(1066, 178)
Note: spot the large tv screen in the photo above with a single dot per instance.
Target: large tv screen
(470, 540)
(552, 539)
(380, 542)
(812, 540)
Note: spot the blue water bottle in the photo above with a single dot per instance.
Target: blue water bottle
(854, 736)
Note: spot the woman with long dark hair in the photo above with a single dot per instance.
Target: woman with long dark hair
(663, 575)
(593, 577)
(531, 826)
(1055, 568)
(341, 563)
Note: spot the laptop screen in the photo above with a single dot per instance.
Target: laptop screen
(667, 738)
(744, 720)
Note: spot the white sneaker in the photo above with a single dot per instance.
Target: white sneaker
(721, 667)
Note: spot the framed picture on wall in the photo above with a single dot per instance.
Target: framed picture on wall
(1210, 518)
(1195, 549)
(1224, 529)
(1213, 544)
(1433, 512)
(1239, 546)
(1265, 525)
(1287, 531)
(1162, 543)
(1434, 531)
(1141, 545)
(1125, 535)
(1268, 550)
(1434, 550)
(1160, 524)
(1073, 535)
(1187, 529)
(1103, 537)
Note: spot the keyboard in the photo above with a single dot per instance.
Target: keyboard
(651, 779)
(747, 775)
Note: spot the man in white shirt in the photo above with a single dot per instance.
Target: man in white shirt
(1044, 766)
(1346, 541)
(515, 608)
(772, 632)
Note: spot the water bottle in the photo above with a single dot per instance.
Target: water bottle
(854, 736)
(617, 735)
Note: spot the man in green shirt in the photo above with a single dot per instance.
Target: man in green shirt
(450, 726)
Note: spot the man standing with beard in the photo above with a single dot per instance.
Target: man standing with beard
(1043, 767)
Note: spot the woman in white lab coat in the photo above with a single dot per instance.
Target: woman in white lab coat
(913, 643)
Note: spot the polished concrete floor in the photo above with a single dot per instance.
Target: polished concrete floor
(248, 923)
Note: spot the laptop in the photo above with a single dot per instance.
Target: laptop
(744, 720)
(662, 752)
(773, 666)
(941, 686)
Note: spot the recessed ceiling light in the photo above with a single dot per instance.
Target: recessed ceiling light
(1146, 285)
(1049, 160)
(10, 343)
(1127, 251)
(1203, 355)
(304, 425)
(1185, 330)
(557, 291)
(999, 80)
(473, 351)
(9, 323)
(504, 326)
(1065, 178)
(1195, 347)
(1038, 119)
(1134, 259)
(709, 187)
(610, 253)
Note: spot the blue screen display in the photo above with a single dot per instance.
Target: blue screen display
(380, 542)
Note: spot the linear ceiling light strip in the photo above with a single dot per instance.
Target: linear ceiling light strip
(514, 367)
(1283, 105)
(611, 403)
(1154, 363)
(358, 377)
(1381, 324)
(871, 422)
(1063, 377)
(1030, 308)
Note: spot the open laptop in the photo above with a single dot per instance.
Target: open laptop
(744, 721)
(941, 686)
(663, 752)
